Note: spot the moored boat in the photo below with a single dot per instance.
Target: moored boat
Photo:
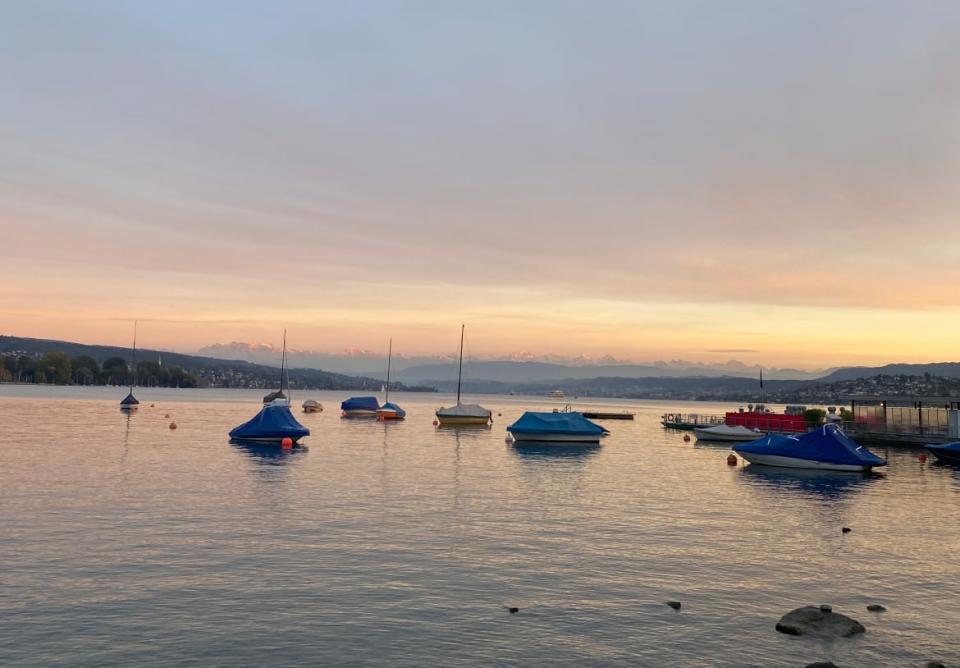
(389, 410)
(130, 403)
(312, 406)
(556, 428)
(948, 453)
(360, 407)
(826, 448)
(463, 415)
(274, 423)
(608, 415)
(556, 394)
(725, 432)
(689, 421)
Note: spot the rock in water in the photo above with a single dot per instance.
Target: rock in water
(822, 664)
(811, 620)
(674, 604)
(935, 664)
(875, 607)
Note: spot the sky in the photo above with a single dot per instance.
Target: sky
(777, 182)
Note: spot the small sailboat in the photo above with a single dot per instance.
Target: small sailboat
(463, 414)
(130, 403)
(826, 448)
(274, 423)
(389, 411)
(564, 428)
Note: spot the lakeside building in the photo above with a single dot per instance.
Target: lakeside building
(899, 420)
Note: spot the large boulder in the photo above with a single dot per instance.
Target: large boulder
(818, 621)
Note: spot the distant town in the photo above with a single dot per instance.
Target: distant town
(64, 363)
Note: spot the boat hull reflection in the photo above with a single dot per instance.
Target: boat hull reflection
(554, 449)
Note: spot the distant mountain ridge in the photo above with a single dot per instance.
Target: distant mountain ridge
(525, 368)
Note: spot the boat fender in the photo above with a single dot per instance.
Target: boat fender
(686, 438)
(286, 443)
(436, 422)
(922, 458)
(731, 459)
(508, 439)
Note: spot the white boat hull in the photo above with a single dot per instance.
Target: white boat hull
(707, 435)
(797, 463)
(559, 439)
(359, 414)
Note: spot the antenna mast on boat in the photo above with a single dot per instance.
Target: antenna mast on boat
(389, 358)
(460, 368)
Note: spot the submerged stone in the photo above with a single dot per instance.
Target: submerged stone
(822, 664)
(674, 604)
(812, 620)
(876, 607)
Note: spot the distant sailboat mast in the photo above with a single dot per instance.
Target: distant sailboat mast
(460, 367)
(386, 398)
(283, 364)
(133, 359)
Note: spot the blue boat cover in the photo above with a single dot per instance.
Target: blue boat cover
(828, 445)
(946, 447)
(272, 422)
(360, 404)
(555, 423)
(393, 407)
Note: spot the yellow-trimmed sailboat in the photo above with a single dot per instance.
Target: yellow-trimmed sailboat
(463, 415)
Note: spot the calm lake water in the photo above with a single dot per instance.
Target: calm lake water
(126, 543)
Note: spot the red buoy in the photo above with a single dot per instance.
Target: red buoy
(435, 423)
(287, 442)
(173, 425)
(686, 438)
(922, 458)
(732, 459)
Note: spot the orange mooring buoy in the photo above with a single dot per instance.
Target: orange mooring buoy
(436, 422)
(922, 458)
(166, 415)
(173, 425)
(287, 442)
(732, 459)
(686, 438)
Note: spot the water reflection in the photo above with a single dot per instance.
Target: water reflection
(532, 450)
(827, 484)
(267, 453)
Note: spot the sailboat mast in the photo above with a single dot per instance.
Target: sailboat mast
(133, 359)
(460, 368)
(389, 358)
(283, 358)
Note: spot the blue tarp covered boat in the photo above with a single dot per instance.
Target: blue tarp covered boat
(948, 452)
(391, 411)
(556, 428)
(360, 407)
(826, 448)
(272, 424)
